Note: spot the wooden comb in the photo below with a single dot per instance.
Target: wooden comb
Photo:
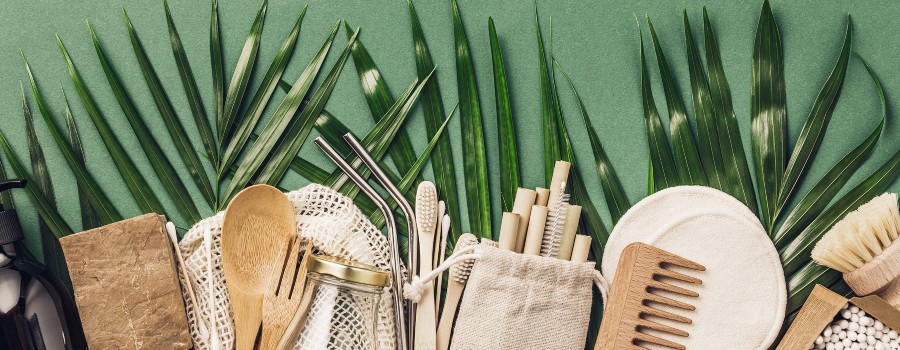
(642, 270)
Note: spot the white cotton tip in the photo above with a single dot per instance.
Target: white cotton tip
(861, 236)
(170, 229)
(460, 272)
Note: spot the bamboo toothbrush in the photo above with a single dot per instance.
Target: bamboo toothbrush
(861, 247)
(427, 220)
(556, 220)
(459, 274)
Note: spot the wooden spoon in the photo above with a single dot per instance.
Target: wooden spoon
(257, 227)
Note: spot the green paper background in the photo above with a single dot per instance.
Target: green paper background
(595, 41)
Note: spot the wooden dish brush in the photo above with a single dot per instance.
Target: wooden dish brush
(640, 275)
(861, 247)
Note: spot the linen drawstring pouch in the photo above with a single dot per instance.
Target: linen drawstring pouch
(515, 301)
(743, 297)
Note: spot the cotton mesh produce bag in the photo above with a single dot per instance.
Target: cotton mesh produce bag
(325, 218)
(516, 301)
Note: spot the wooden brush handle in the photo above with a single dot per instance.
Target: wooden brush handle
(879, 276)
(445, 328)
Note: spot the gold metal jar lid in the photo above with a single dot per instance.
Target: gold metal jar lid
(348, 270)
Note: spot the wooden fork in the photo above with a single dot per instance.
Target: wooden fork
(283, 297)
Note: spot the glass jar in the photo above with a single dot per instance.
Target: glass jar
(340, 303)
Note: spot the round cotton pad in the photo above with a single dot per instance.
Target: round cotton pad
(743, 296)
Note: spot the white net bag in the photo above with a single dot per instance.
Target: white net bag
(335, 227)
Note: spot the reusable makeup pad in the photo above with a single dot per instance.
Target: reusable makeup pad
(743, 296)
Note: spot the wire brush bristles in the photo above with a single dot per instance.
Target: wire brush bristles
(861, 236)
(555, 222)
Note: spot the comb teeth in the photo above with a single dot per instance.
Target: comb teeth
(460, 272)
(643, 272)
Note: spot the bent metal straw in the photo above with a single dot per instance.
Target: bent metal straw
(408, 212)
(399, 315)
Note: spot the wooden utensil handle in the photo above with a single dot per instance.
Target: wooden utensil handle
(247, 308)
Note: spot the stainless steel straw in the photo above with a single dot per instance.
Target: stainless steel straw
(397, 286)
(395, 193)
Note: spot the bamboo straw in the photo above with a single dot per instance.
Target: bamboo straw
(535, 235)
(573, 215)
(581, 249)
(509, 228)
(522, 206)
(543, 196)
(560, 175)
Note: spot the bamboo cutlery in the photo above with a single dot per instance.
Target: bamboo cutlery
(260, 250)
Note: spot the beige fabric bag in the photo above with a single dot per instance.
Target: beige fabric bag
(515, 301)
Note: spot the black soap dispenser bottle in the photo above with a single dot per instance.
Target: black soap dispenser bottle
(36, 310)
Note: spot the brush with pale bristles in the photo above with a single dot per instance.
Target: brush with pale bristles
(427, 220)
(861, 246)
(459, 275)
(556, 220)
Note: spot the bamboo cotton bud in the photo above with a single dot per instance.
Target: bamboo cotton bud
(543, 196)
(509, 229)
(522, 206)
(573, 216)
(582, 248)
(560, 175)
(534, 237)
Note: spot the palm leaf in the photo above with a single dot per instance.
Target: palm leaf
(263, 95)
(276, 127)
(795, 253)
(613, 191)
(89, 217)
(813, 131)
(139, 188)
(768, 114)
(474, 158)
(332, 130)
(664, 173)
(179, 135)
(190, 88)
(303, 167)
(105, 208)
(510, 177)
(378, 139)
(164, 169)
(218, 68)
(42, 205)
(53, 255)
(299, 131)
(241, 76)
(379, 98)
(736, 181)
(548, 109)
(802, 282)
(6, 199)
(707, 130)
(433, 110)
(828, 187)
(406, 184)
(687, 159)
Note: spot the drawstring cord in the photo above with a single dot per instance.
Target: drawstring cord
(602, 285)
(414, 289)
